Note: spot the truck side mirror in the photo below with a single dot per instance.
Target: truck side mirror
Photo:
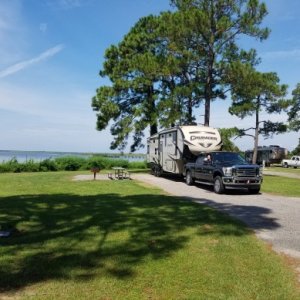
(206, 161)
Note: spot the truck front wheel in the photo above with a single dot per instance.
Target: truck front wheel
(188, 178)
(218, 185)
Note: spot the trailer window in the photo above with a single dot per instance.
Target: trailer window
(175, 137)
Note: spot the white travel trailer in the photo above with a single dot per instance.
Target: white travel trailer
(170, 149)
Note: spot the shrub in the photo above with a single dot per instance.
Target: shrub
(138, 165)
(29, 166)
(95, 162)
(48, 165)
(70, 163)
(11, 166)
(105, 163)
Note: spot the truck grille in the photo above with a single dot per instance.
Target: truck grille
(246, 172)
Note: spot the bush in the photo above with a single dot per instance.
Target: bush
(105, 163)
(138, 165)
(48, 165)
(11, 166)
(70, 163)
(29, 166)
(95, 162)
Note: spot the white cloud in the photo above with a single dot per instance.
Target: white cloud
(27, 63)
(12, 31)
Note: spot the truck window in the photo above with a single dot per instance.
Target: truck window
(200, 160)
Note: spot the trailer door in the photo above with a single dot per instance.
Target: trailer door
(161, 149)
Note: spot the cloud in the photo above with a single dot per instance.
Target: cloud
(27, 63)
(285, 54)
(13, 37)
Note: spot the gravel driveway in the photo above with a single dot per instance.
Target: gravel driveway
(274, 219)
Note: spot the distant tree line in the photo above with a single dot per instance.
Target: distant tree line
(166, 66)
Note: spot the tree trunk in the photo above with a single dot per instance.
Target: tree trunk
(153, 129)
(254, 158)
(190, 111)
(152, 108)
(208, 89)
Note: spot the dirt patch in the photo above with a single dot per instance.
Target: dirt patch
(91, 177)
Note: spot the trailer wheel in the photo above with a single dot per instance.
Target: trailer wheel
(157, 171)
(218, 185)
(188, 178)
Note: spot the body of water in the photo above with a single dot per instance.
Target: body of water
(23, 156)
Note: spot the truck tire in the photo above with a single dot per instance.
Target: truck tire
(188, 178)
(285, 165)
(218, 185)
(254, 191)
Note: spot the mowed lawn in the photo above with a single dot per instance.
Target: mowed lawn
(123, 240)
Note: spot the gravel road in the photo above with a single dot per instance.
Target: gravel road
(274, 219)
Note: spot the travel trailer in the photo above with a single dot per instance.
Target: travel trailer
(267, 155)
(170, 149)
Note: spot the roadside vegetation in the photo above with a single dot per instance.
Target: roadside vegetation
(68, 163)
(279, 185)
(279, 168)
(122, 240)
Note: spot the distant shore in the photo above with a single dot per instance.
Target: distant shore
(23, 156)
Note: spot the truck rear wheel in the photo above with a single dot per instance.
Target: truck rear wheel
(218, 185)
(188, 178)
(285, 165)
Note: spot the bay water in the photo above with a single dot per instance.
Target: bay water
(23, 156)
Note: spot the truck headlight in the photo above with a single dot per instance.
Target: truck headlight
(227, 171)
(260, 171)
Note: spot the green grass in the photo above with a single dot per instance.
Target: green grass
(281, 185)
(122, 240)
(281, 169)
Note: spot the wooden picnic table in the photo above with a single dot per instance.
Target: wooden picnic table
(120, 173)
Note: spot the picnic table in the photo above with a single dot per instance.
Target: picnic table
(119, 173)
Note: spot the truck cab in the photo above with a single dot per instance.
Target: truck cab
(224, 170)
(294, 162)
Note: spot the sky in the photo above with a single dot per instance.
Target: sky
(51, 52)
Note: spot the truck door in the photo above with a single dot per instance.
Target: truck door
(199, 167)
(297, 162)
(207, 171)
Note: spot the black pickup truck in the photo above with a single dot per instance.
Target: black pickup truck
(224, 170)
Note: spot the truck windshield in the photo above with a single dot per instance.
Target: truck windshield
(229, 158)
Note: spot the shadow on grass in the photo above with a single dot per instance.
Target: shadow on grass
(66, 236)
